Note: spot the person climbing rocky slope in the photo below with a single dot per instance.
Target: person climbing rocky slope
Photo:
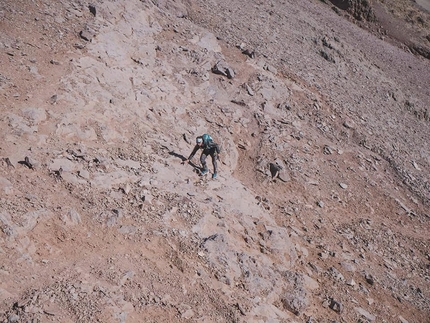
(320, 212)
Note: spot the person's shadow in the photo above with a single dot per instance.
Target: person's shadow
(183, 158)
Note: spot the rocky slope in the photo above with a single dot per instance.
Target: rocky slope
(321, 209)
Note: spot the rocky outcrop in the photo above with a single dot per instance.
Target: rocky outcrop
(359, 9)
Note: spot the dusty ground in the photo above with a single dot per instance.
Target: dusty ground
(101, 101)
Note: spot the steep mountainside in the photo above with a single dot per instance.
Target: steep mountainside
(321, 208)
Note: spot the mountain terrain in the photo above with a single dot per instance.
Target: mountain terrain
(321, 208)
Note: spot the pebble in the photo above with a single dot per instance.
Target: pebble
(343, 185)
(365, 313)
(323, 255)
(348, 267)
(84, 174)
(369, 279)
(402, 320)
(336, 274)
(336, 306)
(350, 282)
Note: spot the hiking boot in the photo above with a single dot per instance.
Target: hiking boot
(214, 175)
(204, 172)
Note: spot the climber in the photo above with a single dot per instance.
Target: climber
(209, 147)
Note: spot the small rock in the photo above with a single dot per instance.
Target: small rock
(327, 56)
(349, 124)
(364, 289)
(77, 13)
(365, 313)
(222, 69)
(53, 99)
(92, 9)
(249, 90)
(219, 69)
(187, 140)
(283, 176)
(271, 68)
(240, 308)
(336, 306)
(343, 185)
(230, 73)
(323, 255)
(348, 267)
(249, 53)
(350, 282)
(187, 314)
(327, 150)
(72, 217)
(402, 320)
(326, 303)
(13, 318)
(369, 279)
(274, 169)
(126, 277)
(336, 274)
(8, 162)
(84, 174)
(126, 189)
(86, 35)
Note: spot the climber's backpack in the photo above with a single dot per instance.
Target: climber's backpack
(206, 139)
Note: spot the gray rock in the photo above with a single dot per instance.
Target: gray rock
(295, 299)
(328, 57)
(188, 314)
(34, 115)
(249, 53)
(336, 274)
(84, 174)
(369, 278)
(365, 313)
(348, 267)
(230, 73)
(343, 185)
(271, 68)
(274, 169)
(92, 9)
(72, 217)
(349, 124)
(327, 150)
(86, 35)
(222, 69)
(323, 255)
(351, 282)
(5, 186)
(402, 320)
(13, 318)
(127, 229)
(283, 176)
(249, 90)
(336, 306)
(128, 163)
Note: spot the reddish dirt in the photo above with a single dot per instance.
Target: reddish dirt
(102, 222)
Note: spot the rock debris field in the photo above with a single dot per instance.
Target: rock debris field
(320, 212)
